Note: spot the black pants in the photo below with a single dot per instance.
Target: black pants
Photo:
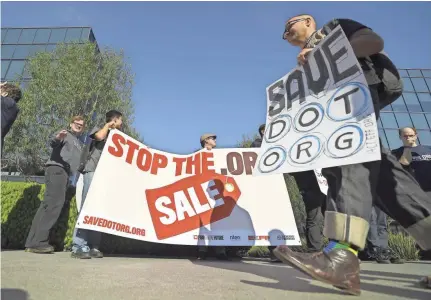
(353, 189)
(56, 180)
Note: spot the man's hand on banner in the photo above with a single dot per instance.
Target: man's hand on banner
(302, 56)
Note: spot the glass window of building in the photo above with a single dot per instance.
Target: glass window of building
(428, 117)
(21, 51)
(399, 105)
(388, 120)
(428, 81)
(403, 73)
(4, 67)
(42, 36)
(26, 74)
(7, 51)
(85, 34)
(35, 49)
(425, 100)
(12, 36)
(424, 137)
(27, 36)
(15, 70)
(50, 48)
(408, 86)
(57, 35)
(3, 34)
(393, 138)
(383, 138)
(412, 102)
(415, 73)
(387, 108)
(403, 120)
(419, 121)
(419, 85)
(426, 73)
(73, 35)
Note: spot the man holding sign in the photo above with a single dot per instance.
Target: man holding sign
(352, 188)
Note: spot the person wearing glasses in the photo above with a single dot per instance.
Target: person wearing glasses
(354, 188)
(415, 158)
(63, 163)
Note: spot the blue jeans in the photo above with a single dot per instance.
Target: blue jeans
(84, 238)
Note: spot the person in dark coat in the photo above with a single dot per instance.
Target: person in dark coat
(10, 95)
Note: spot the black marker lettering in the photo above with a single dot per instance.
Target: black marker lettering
(348, 141)
(300, 149)
(316, 116)
(275, 99)
(271, 126)
(346, 98)
(295, 75)
(332, 58)
(317, 86)
(276, 159)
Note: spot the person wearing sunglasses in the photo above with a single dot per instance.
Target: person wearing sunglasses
(354, 188)
(415, 158)
(62, 164)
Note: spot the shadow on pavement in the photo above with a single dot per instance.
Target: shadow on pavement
(287, 277)
(14, 294)
(290, 279)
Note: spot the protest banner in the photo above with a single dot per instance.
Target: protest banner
(321, 114)
(205, 198)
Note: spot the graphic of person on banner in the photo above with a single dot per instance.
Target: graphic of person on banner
(352, 189)
(209, 141)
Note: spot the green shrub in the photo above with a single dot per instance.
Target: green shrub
(258, 251)
(403, 246)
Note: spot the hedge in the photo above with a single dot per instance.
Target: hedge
(20, 201)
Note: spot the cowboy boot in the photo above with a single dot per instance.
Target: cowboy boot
(338, 267)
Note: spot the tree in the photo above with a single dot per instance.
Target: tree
(75, 79)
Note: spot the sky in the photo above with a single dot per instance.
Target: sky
(204, 66)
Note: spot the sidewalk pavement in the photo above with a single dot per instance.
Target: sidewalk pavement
(29, 276)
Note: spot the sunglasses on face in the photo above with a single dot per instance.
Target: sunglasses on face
(289, 25)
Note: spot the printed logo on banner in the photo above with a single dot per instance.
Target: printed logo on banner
(235, 238)
(258, 237)
(209, 237)
(321, 114)
(285, 237)
(190, 203)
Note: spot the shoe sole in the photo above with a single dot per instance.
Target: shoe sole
(298, 267)
(39, 252)
(79, 257)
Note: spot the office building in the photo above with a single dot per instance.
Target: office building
(17, 44)
(412, 109)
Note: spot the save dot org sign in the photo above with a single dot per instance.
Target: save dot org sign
(205, 198)
(320, 114)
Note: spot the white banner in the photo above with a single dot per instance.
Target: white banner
(205, 198)
(320, 114)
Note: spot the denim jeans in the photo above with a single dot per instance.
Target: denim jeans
(84, 238)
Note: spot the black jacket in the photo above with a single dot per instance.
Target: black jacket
(9, 113)
(256, 143)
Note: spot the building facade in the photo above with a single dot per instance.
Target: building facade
(412, 109)
(18, 44)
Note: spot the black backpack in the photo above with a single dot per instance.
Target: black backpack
(379, 71)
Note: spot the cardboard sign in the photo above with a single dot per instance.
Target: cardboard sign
(205, 198)
(320, 114)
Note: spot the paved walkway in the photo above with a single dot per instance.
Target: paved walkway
(57, 276)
